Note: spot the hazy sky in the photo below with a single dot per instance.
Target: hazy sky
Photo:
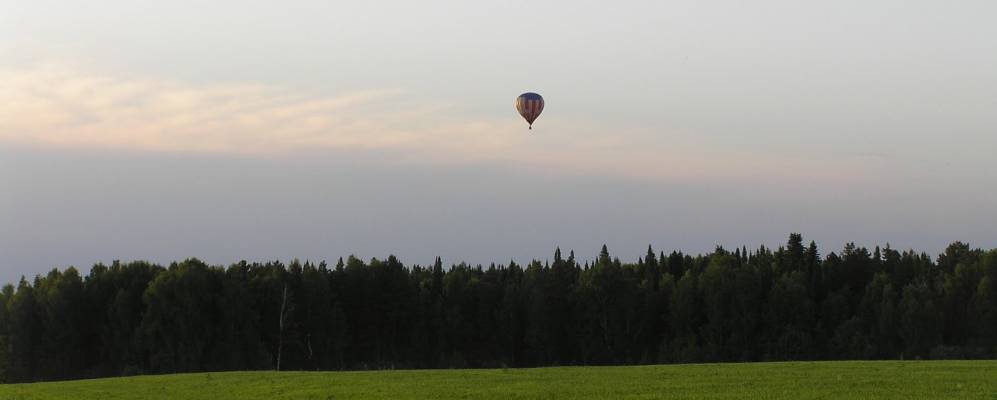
(232, 130)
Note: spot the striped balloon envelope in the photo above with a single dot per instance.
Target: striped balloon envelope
(530, 105)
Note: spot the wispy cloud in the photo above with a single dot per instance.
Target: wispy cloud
(70, 107)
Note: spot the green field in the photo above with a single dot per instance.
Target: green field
(794, 380)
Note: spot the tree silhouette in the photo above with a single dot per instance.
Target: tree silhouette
(784, 304)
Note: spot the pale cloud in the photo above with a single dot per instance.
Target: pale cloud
(67, 108)
(76, 108)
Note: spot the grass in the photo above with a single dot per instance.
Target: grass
(792, 380)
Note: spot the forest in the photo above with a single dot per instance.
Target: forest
(764, 304)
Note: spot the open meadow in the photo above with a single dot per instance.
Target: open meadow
(789, 380)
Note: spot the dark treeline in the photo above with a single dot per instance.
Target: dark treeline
(788, 303)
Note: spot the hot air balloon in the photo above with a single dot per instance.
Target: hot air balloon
(530, 105)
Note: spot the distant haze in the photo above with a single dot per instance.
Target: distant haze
(256, 130)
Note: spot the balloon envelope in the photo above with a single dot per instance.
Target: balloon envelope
(530, 105)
